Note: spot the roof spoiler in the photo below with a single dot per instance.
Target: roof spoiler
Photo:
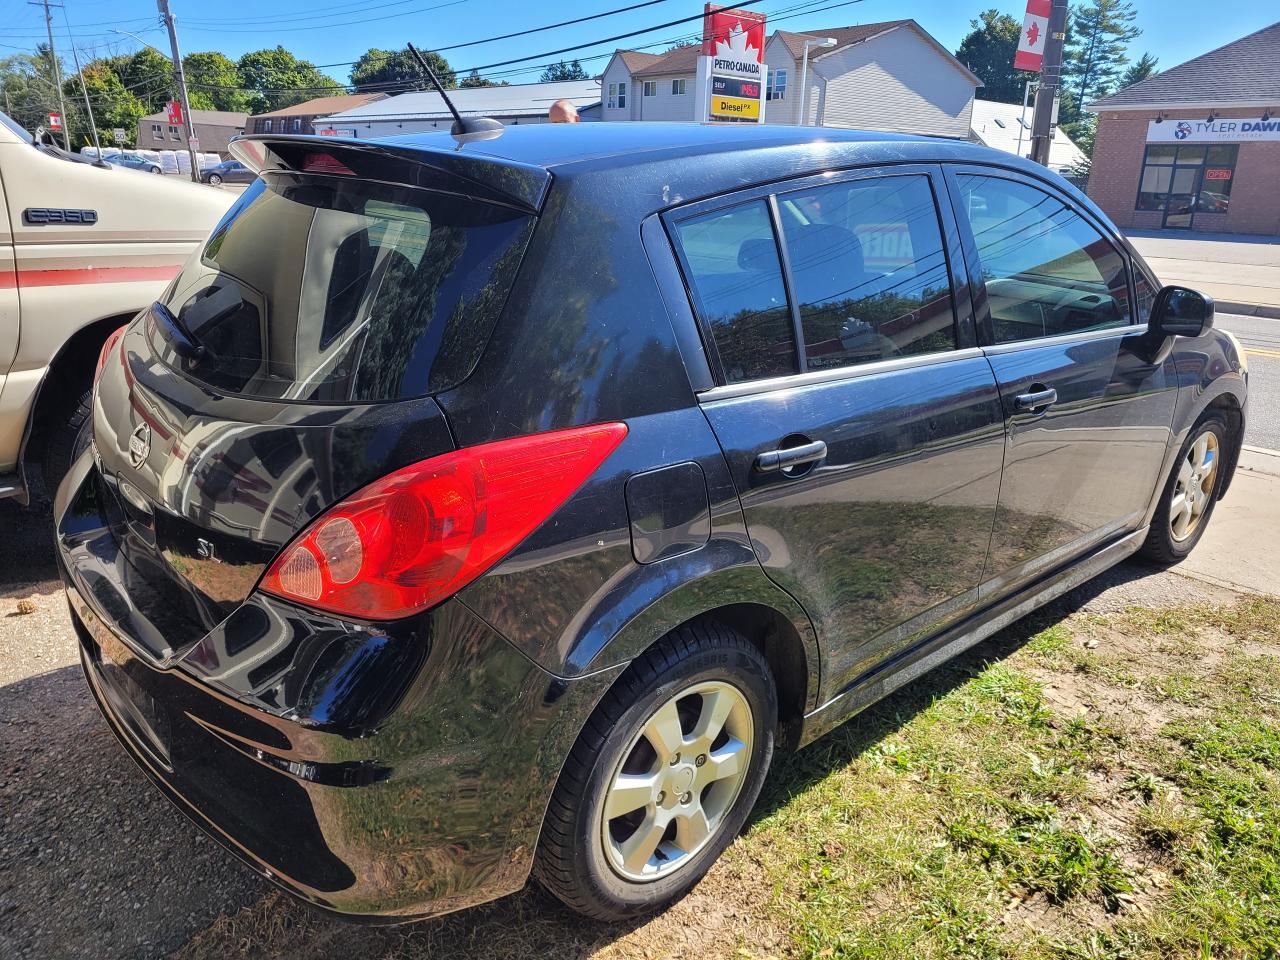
(493, 179)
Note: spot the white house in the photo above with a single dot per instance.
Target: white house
(877, 76)
(1004, 127)
(423, 110)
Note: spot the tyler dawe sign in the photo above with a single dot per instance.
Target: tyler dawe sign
(1238, 130)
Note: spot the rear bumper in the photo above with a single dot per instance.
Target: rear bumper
(388, 772)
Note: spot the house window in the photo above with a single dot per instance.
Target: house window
(173, 133)
(613, 95)
(776, 86)
(622, 94)
(677, 87)
(651, 88)
(297, 124)
(157, 131)
(266, 126)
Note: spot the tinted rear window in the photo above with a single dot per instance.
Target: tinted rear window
(327, 289)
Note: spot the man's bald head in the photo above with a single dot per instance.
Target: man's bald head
(562, 111)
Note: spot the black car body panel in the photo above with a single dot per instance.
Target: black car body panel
(221, 489)
(402, 768)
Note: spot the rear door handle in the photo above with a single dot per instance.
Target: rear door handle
(773, 460)
(1036, 399)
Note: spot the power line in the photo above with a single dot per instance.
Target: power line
(525, 33)
(785, 13)
(323, 26)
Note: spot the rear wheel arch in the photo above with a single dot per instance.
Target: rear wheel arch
(775, 635)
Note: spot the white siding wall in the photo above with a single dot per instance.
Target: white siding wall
(898, 81)
(778, 57)
(617, 73)
(664, 105)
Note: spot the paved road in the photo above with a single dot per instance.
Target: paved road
(1261, 340)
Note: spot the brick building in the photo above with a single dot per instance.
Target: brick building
(1196, 147)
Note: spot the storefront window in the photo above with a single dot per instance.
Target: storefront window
(1181, 181)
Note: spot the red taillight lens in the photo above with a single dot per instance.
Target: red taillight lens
(105, 352)
(325, 163)
(421, 534)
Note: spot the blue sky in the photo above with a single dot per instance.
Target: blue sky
(329, 32)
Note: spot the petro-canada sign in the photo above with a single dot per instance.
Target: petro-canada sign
(730, 82)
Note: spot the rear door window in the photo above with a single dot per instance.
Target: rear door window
(868, 270)
(731, 263)
(322, 288)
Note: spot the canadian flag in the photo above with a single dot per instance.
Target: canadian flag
(1035, 30)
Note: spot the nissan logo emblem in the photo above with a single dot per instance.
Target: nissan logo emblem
(139, 445)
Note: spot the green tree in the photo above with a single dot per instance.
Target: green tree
(473, 79)
(213, 82)
(988, 50)
(275, 78)
(563, 71)
(147, 75)
(1094, 59)
(390, 71)
(28, 89)
(113, 106)
(1143, 67)
(1097, 48)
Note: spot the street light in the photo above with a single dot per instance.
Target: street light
(804, 73)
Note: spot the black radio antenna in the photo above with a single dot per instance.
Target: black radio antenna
(464, 130)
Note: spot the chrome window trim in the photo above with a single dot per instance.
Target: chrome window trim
(748, 388)
(1014, 346)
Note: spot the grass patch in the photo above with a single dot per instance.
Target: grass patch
(1096, 787)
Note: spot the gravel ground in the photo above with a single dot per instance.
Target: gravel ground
(94, 862)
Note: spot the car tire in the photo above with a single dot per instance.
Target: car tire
(693, 798)
(69, 438)
(215, 180)
(1189, 494)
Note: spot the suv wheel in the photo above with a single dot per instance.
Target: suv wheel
(662, 777)
(68, 439)
(1189, 494)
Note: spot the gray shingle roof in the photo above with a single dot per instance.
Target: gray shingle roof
(1246, 70)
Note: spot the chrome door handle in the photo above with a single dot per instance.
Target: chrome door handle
(774, 460)
(1036, 399)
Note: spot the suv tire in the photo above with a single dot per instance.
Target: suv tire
(1189, 494)
(68, 437)
(719, 688)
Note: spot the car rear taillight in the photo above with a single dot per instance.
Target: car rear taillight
(105, 352)
(326, 163)
(419, 535)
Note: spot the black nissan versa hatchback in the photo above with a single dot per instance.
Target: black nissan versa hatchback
(467, 510)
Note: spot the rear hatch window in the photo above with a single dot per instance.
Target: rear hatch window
(322, 288)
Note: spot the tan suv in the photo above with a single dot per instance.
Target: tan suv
(82, 249)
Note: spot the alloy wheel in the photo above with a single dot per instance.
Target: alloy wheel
(1194, 487)
(677, 780)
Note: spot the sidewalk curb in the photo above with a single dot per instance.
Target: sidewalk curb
(1260, 460)
(1248, 309)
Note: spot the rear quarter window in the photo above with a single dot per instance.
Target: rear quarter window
(326, 289)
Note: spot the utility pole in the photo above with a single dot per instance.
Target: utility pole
(88, 108)
(180, 78)
(1042, 120)
(57, 73)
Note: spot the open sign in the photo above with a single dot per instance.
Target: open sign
(1218, 173)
